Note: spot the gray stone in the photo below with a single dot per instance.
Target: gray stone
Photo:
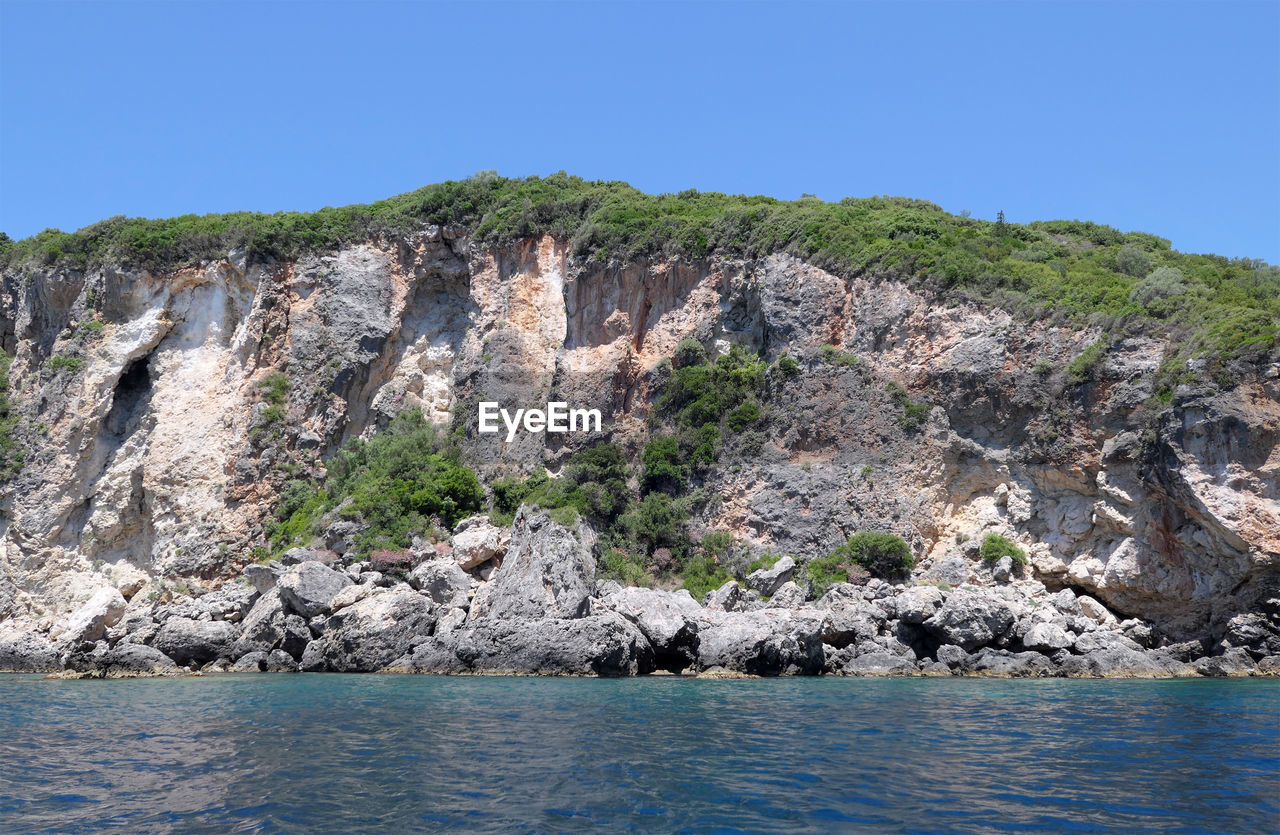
(231, 602)
(341, 535)
(189, 641)
(353, 593)
(918, 603)
(850, 624)
(297, 556)
(954, 571)
(295, 637)
(1095, 611)
(451, 620)
(1256, 632)
(1233, 663)
(1002, 571)
(668, 620)
(477, 540)
(26, 652)
(1014, 664)
(1117, 661)
(309, 588)
(1047, 638)
(768, 580)
(253, 662)
(368, 635)
(1066, 602)
(279, 661)
(90, 621)
(1186, 651)
(765, 643)
(444, 582)
(262, 577)
(971, 620)
(841, 594)
(788, 596)
(727, 598)
(954, 657)
(880, 663)
(135, 660)
(1104, 640)
(601, 645)
(276, 661)
(263, 627)
(122, 661)
(547, 573)
(1141, 633)
(138, 628)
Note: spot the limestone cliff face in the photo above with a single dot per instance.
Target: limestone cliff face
(153, 452)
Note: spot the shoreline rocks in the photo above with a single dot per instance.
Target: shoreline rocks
(540, 611)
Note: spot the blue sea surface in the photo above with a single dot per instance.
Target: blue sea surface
(331, 753)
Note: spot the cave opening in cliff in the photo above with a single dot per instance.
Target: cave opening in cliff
(132, 392)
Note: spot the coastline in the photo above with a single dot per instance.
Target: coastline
(543, 612)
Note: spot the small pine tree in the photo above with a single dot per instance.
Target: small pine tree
(1000, 226)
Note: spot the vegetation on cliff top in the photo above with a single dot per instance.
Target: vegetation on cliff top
(1068, 271)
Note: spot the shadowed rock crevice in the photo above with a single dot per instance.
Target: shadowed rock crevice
(129, 400)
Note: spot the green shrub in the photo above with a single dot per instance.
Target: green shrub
(1091, 271)
(824, 572)
(884, 555)
(65, 361)
(274, 388)
(689, 353)
(657, 521)
(1133, 261)
(718, 544)
(566, 516)
(89, 331)
(787, 365)
(995, 546)
(766, 560)
(623, 568)
(663, 469)
(397, 483)
(913, 414)
(743, 416)
(701, 574)
(1086, 366)
(834, 356)
(1164, 283)
(11, 452)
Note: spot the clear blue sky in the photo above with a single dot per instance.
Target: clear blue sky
(1161, 117)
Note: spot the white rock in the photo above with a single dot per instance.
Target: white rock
(479, 541)
(90, 621)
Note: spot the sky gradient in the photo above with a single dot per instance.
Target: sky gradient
(1159, 117)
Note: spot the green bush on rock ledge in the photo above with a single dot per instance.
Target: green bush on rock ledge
(397, 484)
(883, 555)
(995, 546)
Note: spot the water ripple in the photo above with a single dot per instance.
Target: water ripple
(325, 753)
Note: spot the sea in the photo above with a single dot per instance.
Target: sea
(380, 753)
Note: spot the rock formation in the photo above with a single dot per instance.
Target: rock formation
(154, 460)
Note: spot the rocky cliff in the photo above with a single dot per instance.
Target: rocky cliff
(161, 412)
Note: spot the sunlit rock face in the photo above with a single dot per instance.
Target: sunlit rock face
(159, 459)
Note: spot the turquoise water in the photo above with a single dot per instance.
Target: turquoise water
(350, 753)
